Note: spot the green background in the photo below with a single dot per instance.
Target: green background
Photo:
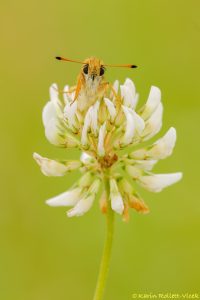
(43, 254)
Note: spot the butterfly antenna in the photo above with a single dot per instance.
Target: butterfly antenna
(69, 60)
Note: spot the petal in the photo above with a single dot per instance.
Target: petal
(125, 186)
(157, 182)
(126, 95)
(81, 207)
(135, 124)
(139, 154)
(135, 100)
(67, 96)
(111, 109)
(51, 167)
(94, 187)
(86, 180)
(164, 146)
(53, 107)
(146, 165)
(57, 135)
(86, 126)
(159, 150)
(52, 132)
(128, 92)
(102, 133)
(133, 198)
(53, 90)
(152, 103)
(134, 171)
(154, 123)
(48, 112)
(130, 126)
(94, 118)
(69, 198)
(86, 158)
(117, 203)
(70, 114)
(55, 99)
(115, 88)
(141, 164)
(139, 122)
(129, 83)
(138, 204)
(86, 202)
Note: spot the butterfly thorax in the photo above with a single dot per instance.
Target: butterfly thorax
(90, 81)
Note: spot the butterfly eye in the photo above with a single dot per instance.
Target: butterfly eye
(85, 69)
(102, 71)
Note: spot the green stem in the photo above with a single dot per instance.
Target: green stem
(104, 267)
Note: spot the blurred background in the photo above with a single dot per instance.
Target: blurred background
(43, 254)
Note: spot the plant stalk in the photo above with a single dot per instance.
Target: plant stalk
(105, 261)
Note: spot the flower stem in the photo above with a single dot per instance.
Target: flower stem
(104, 267)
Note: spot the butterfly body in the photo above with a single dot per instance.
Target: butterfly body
(91, 84)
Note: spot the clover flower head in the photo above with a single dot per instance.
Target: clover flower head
(109, 134)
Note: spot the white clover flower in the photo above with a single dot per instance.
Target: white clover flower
(159, 150)
(86, 127)
(100, 147)
(69, 198)
(100, 132)
(86, 201)
(157, 182)
(117, 203)
(111, 108)
(128, 93)
(152, 103)
(130, 126)
(51, 167)
(131, 198)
